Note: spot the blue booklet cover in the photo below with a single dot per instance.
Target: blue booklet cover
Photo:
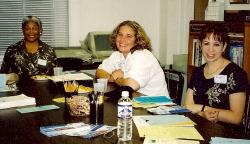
(152, 99)
(168, 110)
(179, 110)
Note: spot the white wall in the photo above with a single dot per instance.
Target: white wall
(165, 21)
(104, 15)
(175, 17)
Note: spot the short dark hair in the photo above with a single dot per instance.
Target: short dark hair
(219, 30)
(35, 19)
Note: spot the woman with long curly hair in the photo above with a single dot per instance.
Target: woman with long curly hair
(132, 63)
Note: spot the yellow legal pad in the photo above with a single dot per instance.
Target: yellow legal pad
(169, 126)
(170, 132)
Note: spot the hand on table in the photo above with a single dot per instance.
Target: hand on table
(12, 78)
(117, 74)
(211, 115)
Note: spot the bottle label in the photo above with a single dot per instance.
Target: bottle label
(124, 110)
(100, 99)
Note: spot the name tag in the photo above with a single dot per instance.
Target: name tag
(42, 62)
(119, 65)
(222, 79)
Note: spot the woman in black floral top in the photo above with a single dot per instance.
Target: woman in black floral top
(217, 89)
(30, 56)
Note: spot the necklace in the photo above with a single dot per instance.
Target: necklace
(212, 73)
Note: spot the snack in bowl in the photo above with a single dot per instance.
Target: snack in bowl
(84, 89)
(78, 105)
(40, 77)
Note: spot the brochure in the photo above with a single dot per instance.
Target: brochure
(76, 129)
(16, 101)
(176, 109)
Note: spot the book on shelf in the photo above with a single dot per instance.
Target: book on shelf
(197, 58)
(236, 52)
(235, 35)
(16, 101)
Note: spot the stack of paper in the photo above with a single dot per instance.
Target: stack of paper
(76, 129)
(151, 101)
(16, 101)
(74, 76)
(169, 126)
(37, 108)
(169, 141)
(220, 140)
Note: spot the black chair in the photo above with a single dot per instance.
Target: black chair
(246, 119)
(70, 63)
(175, 82)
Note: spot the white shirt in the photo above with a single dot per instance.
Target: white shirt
(141, 66)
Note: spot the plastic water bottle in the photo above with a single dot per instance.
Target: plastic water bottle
(124, 125)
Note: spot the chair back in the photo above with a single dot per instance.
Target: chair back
(175, 82)
(70, 63)
(246, 119)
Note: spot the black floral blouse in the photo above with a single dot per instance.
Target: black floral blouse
(19, 61)
(216, 95)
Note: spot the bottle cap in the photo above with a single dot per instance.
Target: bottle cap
(125, 93)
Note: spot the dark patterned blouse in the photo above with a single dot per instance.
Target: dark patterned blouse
(206, 91)
(19, 61)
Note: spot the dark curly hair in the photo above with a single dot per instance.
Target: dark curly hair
(142, 40)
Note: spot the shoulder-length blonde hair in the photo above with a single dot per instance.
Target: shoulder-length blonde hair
(142, 40)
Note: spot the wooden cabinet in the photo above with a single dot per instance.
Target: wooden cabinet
(238, 32)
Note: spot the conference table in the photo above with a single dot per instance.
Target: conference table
(16, 128)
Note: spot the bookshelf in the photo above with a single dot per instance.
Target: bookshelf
(239, 34)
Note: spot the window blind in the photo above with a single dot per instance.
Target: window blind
(53, 14)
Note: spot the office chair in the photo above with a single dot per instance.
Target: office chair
(246, 119)
(175, 82)
(70, 63)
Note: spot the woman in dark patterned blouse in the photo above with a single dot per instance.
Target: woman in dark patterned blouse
(217, 89)
(30, 56)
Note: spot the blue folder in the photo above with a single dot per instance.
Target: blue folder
(152, 99)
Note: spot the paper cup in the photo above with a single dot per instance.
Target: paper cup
(58, 71)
